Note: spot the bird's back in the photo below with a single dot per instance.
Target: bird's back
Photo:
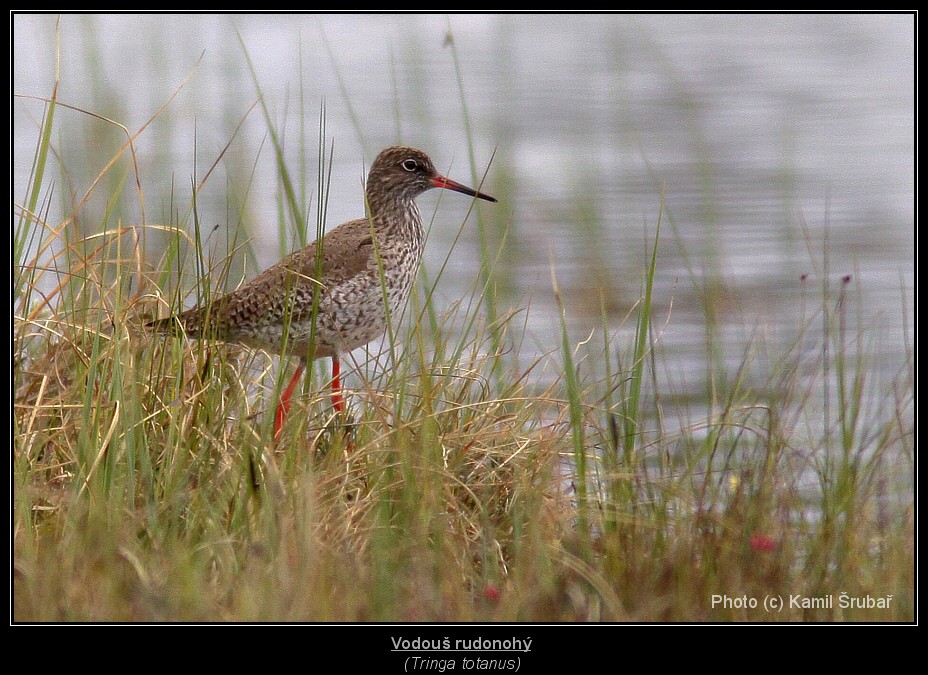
(258, 313)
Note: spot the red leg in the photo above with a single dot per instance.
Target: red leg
(284, 406)
(338, 401)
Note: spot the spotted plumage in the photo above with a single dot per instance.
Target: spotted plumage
(360, 260)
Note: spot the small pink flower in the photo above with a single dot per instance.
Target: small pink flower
(491, 592)
(763, 543)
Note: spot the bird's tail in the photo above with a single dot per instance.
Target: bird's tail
(189, 323)
(172, 325)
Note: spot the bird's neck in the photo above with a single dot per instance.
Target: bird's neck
(395, 217)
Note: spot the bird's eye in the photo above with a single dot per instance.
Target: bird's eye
(410, 165)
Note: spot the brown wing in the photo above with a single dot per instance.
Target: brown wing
(288, 286)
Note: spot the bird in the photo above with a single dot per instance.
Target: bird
(360, 273)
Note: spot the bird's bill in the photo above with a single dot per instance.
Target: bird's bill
(448, 184)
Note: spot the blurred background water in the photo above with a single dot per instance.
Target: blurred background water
(781, 147)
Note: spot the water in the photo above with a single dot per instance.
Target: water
(767, 135)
